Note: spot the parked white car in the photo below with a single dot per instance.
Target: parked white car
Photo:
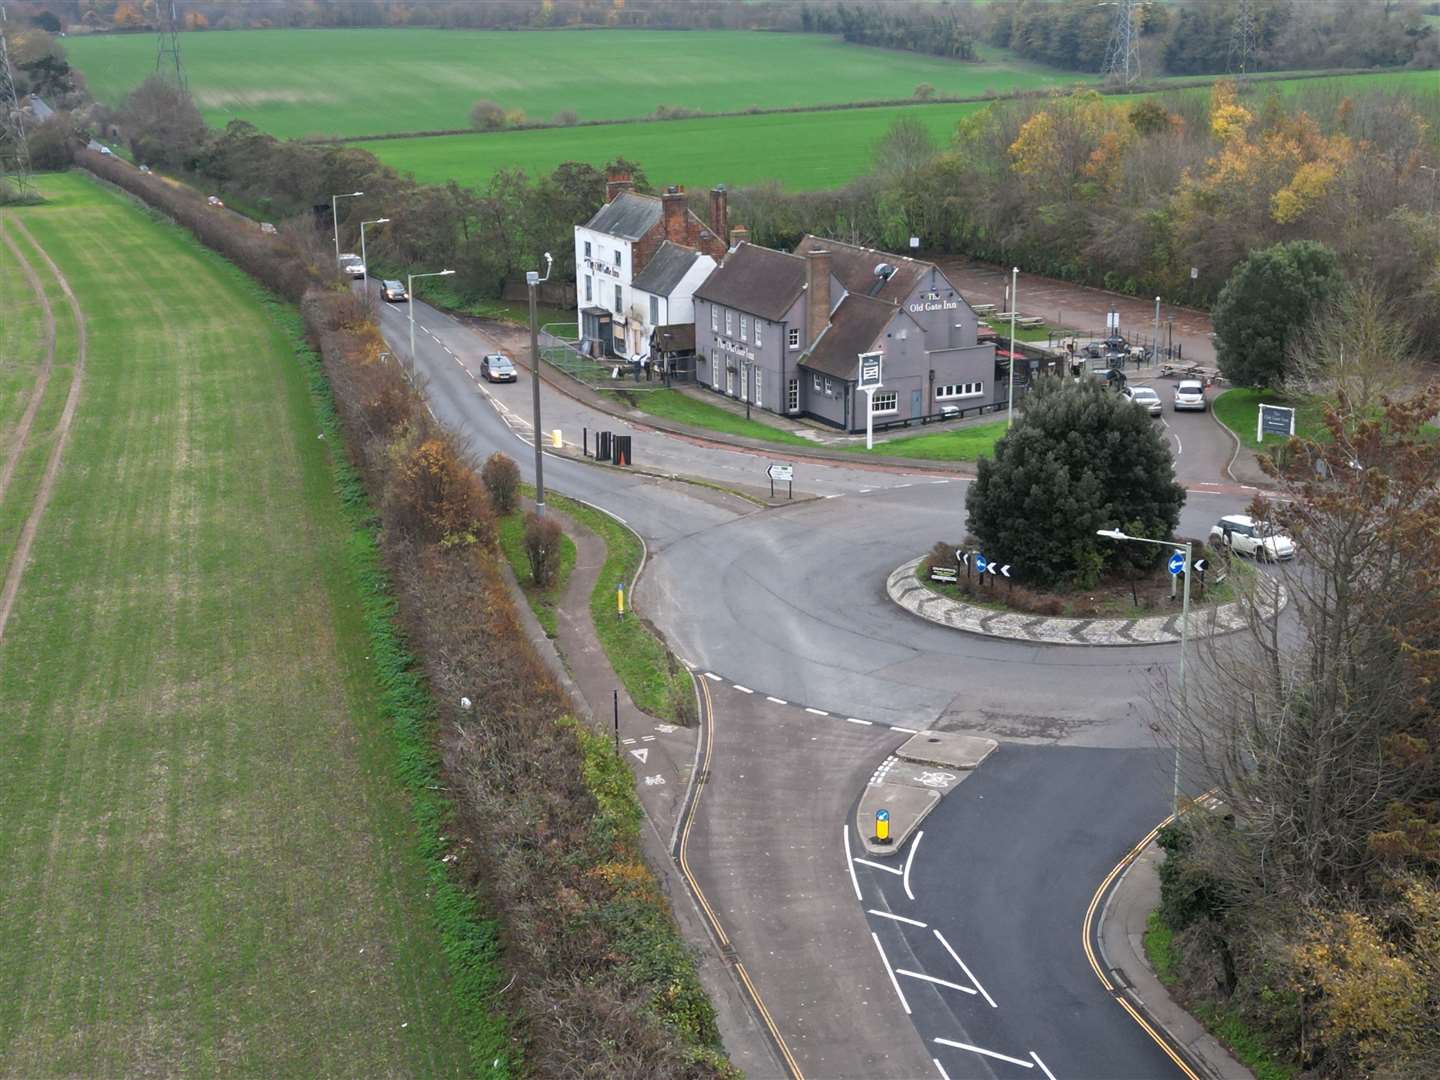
(1246, 536)
(1190, 394)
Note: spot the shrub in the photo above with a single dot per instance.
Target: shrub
(943, 556)
(433, 494)
(1080, 458)
(542, 547)
(565, 118)
(487, 116)
(924, 92)
(502, 481)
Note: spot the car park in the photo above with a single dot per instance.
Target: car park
(1146, 398)
(1246, 536)
(393, 291)
(496, 367)
(1190, 394)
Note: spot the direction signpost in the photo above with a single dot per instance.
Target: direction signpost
(871, 379)
(785, 473)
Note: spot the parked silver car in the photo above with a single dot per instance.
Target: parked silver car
(1146, 398)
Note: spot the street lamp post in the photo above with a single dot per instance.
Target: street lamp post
(365, 262)
(1155, 336)
(410, 305)
(1014, 288)
(533, 281)
(1117, 534)
(335, 218)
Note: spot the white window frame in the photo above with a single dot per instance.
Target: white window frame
(892, 400)
(757, 373)
(792, 396)
(619, 299)
(959, 390)
(729, 323)
(654, 311)
(714, 319)
(730, 379)
(587, 249)
(589, 289)
(819, 383)
(794, 336)
(744, 326)
(829, 387)
(618, 264)
(757, 332)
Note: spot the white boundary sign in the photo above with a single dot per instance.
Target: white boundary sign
(871, 378)
(1274, 420)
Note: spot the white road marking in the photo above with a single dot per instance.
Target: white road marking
(907, 730)
(627, 742)
(776, 700)
(850, 865)
(911, 858)
(834, 496)
(897, 487)
(817, 712)
(932, 979)
(890, 971)
(878, 866)
(939, 481)
(425, 329)
(742, 689)
(943, 1074)
(897, 918)
(711, 675)
(1043, 1069)
(988, 1053)
(968, 973)
(647, 738)
(643, 753)
(852, 720)
(866, 491)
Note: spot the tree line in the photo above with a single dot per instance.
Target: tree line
(1208, 37)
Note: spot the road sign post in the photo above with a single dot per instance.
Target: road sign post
(782, 472)
(1274, 420)
(871, 378)
(1176, 566)
(882, 826)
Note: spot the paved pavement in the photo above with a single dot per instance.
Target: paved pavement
(790, 604)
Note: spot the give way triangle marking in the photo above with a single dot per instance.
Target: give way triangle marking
(642, 754)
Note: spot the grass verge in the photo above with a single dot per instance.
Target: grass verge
(952, 444)
(1239, 410)
(1227, 1026)
(510, 531)
(652, 677)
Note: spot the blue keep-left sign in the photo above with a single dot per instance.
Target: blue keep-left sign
(1177, 562)
(882, 815)
(980, 563)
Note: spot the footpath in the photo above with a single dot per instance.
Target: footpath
(662, 758)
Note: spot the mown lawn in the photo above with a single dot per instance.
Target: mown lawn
(1239, 410)
(206, 865)
(294, 83)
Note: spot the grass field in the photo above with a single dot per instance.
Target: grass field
(1239, 410)
(803, 151)
(206, 864)
(363, 82)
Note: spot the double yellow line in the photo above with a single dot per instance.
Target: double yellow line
(1119, 995)
(708, 721)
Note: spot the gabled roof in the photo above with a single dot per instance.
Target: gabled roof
(854, 266)
(854, 327)
(666, 268)
(629, 216)
(758, 280)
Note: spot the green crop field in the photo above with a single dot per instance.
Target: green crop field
(363, 82)
(206, 862)
(804, 150)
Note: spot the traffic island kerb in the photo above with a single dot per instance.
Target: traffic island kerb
(910, 783)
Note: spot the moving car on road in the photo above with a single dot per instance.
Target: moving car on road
(214, 200)
(1246, 536)
(1146, 398)
(393, 291)
(350, 263)
(496, 367)
(1190, 394)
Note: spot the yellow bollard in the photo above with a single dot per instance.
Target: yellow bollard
(882, 826)
(620, 598)
(556, 439)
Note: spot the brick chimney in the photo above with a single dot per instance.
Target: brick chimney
(616, 181)
(739, 235)
(673, 215)
(817, 295)
(720, 213)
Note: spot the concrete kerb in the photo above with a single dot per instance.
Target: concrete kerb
(906, 590)
(911, 782)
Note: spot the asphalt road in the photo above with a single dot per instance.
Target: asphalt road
(786, 611)
(1001, 875)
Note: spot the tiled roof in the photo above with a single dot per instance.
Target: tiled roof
(666, 268)
(854, 327)
(757, 280)
(629, 216)
(854, 267)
